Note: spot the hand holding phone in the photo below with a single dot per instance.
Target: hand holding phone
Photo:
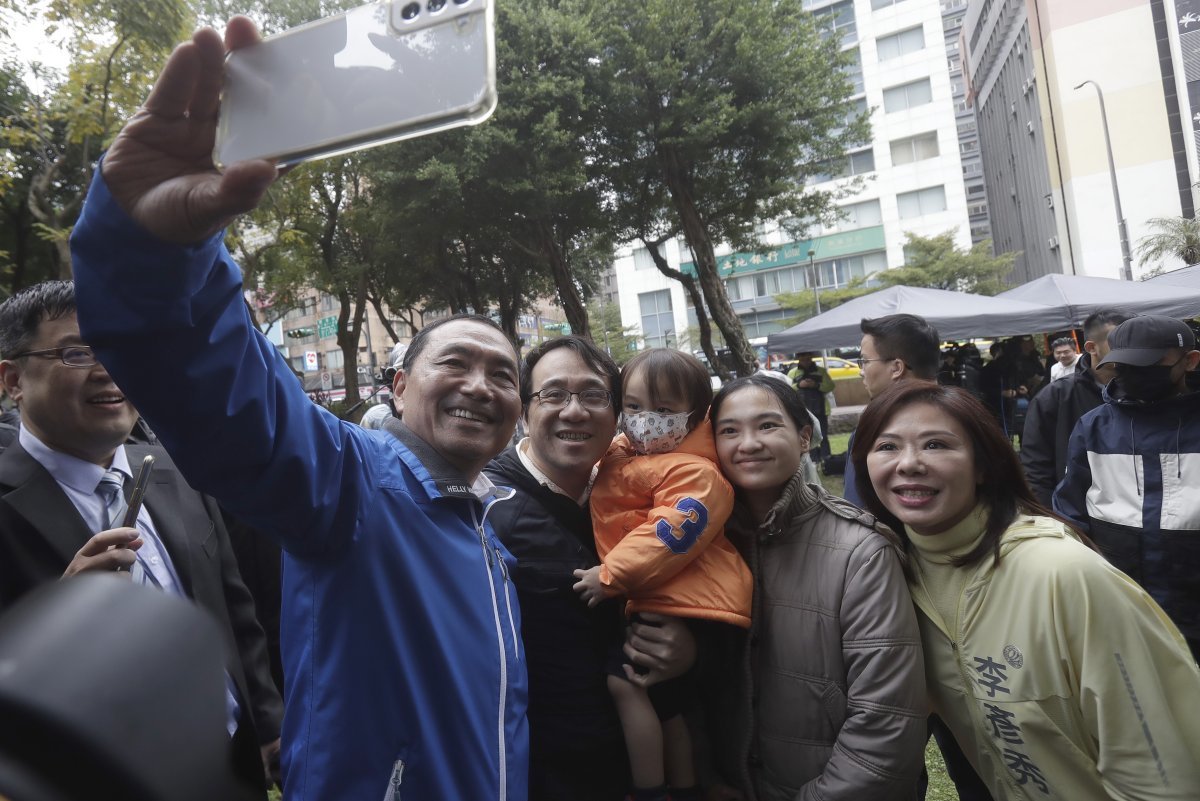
(378, 73)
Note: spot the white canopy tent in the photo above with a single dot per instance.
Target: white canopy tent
(1186, 277)
(956, 315)
(1077, 296)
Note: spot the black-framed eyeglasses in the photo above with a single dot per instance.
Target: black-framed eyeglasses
(861, 362)
(594, 400)
(71, 356)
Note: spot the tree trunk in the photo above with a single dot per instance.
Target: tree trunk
(706, 263)
(689, 284)
(349, 333)
(564, 282)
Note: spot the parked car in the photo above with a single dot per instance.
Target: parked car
(839, 368)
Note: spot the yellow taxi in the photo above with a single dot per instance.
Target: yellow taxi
(838, 367)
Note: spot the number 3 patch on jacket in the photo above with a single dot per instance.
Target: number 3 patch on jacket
(681, 538)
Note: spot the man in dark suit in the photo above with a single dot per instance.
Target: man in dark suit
(60, 511)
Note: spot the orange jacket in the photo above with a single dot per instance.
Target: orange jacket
(659, 521)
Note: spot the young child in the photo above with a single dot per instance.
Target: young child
(659, 506)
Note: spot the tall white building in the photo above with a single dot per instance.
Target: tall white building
(920, 174)
(1036, 68)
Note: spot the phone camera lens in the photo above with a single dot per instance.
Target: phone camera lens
(435, 6)
(410, 11)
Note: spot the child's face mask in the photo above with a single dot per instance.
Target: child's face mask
(651, 432)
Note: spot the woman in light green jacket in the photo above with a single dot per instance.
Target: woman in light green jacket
(1057, 674)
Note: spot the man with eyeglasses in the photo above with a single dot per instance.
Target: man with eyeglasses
(569, 392)
(62, 506)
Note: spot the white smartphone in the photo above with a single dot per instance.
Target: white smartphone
(375, 74)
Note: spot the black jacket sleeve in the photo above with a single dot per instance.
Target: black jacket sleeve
(266, 707)
(1038, 444)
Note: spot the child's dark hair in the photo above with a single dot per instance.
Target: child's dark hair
(671, 370)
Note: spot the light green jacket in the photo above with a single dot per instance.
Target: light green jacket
(1061, 678)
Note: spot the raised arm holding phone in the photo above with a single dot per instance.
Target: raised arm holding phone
(400, 641)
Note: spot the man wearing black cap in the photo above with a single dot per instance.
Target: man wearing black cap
(1133, 466)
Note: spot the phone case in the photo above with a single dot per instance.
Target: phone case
(372, 75)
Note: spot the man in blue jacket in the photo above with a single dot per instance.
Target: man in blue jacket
(1133, 466)
(404, 669)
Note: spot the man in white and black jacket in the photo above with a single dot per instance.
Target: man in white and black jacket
(1133, 466)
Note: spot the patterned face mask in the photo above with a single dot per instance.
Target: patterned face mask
(651, 432)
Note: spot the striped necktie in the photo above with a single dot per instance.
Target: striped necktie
(110, 491)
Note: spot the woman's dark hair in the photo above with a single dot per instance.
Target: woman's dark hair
(789, 399)
(1003, 489)
(670, 370)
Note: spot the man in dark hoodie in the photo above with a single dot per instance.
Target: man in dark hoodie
(1133, 466)
(1055, 410)
(570, 393)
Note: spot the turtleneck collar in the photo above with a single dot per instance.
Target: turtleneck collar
(955, 541)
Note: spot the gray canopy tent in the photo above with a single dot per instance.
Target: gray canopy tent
(1186, 277)
(956, 315)
(1077, 296)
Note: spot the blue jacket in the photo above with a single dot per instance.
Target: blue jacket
(399, 624)
(1133, 484)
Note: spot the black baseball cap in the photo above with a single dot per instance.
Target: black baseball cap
(1142, 341)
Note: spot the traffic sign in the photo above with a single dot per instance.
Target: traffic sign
(326, 380)
(327, 327)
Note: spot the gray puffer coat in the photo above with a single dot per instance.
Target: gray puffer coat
(829, 697)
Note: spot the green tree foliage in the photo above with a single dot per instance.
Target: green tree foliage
(710, 117)
(619, 341)
(935, 262)
(117, 46)
(501, 213)
(1171, 238)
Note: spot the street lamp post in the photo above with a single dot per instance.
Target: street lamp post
(812, 266)
(817, 297)
(1122, 229)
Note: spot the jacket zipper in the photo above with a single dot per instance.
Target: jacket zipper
(394, 783)
(487, 554)
(955, 637)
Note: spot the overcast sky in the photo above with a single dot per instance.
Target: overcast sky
(30, 44)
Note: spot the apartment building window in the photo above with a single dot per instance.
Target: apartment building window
(658, 319)
(843, 22)
(854, 72)
(860, 215)
(915, 148)
(921, 202)
(642, 259)
(766, 285)
(857, 163)
(907, 95)
(876, 5)
(861, 162)
(901, 44)
(739, 288)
